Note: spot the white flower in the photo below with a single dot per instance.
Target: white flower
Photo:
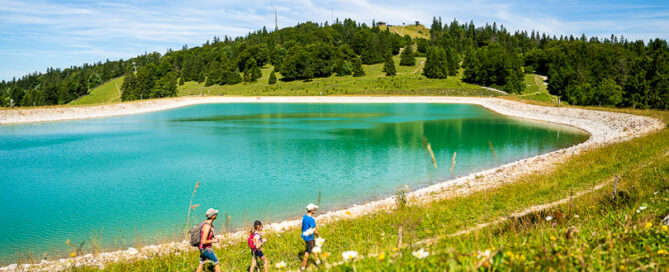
(484, 254)
(351, 254)
(320, 241)
(316, 250)
(281, 264)
(132, 251)
(420, 254)
(549, 218)
(308, 232)
(576, 216)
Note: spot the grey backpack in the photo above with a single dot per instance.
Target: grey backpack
(195, 234)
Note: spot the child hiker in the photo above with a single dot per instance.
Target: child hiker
(308, 231)
(206, 241)
(255, 243)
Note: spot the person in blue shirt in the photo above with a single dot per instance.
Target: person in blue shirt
(308, 232)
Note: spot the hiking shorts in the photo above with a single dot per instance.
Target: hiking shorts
(208, 254)
(309, 246)
(257, 253)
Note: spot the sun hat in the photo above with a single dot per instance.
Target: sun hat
(311, 207)
(211, 212)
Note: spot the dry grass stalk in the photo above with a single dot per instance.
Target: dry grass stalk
(493, 151)
(434, 161)
(190, 205)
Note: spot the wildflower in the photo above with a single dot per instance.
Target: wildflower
(640, 209)
(320, 241)
(484, 254)
(395, 249)
(622, 267)
(576, 216)
(382, 256)
(549, 218)
(325, 255)
(73, 254)
(280, 264)
(348, 212)
(655, 193)
(662, 252)
(522, 257)
(553, 238)
(316, 250)
(308, 232)
(665, 228)
(509, 254)
(649, 225)
(420, 254)
(351, 254)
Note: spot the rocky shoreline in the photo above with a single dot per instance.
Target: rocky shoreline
(603, 127)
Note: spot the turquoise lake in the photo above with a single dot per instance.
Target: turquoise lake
(132, 176)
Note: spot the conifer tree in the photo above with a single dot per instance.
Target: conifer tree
(357, 68)
(436, 65)
(389, 66)
(407, 57)
(272, 78)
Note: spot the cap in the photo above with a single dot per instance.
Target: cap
(211, 212)
(311, 207)
(257, 223)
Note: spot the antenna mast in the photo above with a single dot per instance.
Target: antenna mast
(276, 20)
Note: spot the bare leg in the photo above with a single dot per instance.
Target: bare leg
(305, 259)
(318, 260)
(217, 268)
(265, 263)
(200, 267)
(253, 264)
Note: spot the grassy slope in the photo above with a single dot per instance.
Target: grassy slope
(105, 93)
(415, 31)
(408, 81)
(609, 236)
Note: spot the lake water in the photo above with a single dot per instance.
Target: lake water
(132, 176)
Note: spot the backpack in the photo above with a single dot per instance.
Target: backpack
(195, 234)
(251, 242)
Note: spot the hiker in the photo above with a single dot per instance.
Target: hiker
(255, 243)
(308, 232)
(206, 241)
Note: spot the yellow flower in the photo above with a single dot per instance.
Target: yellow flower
(665, 228)
(553, 238)
(382, 256)
(73, 254)
(348, 212)
(622, 267)
(649, 225)
(325, 255)
(522, 257)
(662, 252)
(395, 249)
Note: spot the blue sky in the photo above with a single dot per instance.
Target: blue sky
(35, 35)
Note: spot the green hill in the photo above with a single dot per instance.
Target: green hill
(408, 81)
(105, 93)
(414, 31)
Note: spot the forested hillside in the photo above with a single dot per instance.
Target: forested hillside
(583, 71)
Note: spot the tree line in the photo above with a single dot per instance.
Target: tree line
(583, 71)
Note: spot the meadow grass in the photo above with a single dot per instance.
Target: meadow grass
(604, 236)
(105, 93)
(414, 31)
(408, 81)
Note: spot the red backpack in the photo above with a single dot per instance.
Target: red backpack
(251, 242)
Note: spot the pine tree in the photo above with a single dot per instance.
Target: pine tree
(453, 59)
(389, 66)
(251, 72)
(436, 65)
(407, 57)
(357, 68)
(272, 78)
